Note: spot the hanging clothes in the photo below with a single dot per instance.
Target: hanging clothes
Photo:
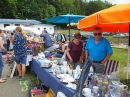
(61, 37)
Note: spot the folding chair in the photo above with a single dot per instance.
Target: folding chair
(111, 66)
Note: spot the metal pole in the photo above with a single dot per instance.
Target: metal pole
(128, 56)
(69, 29)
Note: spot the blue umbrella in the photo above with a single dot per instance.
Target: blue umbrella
(68, 18)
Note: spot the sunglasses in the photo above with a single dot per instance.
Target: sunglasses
(77, 38)
(97, 34)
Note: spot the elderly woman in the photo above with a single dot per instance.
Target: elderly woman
(20, 51)
(75, 51)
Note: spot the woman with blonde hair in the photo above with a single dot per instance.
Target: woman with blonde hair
(20, 51)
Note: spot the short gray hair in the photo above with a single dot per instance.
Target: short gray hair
(44, 31)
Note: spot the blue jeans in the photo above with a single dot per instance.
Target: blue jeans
(8, 44)
(58, 55)
(5, 45)
(21, 60)
(1, 65)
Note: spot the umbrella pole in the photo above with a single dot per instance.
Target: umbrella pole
(69, 29)
(128, 56)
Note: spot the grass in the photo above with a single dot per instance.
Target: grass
(31, 76)
(121, 56)
(117, 40)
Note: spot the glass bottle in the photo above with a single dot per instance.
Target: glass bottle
(105, 84)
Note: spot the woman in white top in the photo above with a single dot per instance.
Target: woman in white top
(1, 61)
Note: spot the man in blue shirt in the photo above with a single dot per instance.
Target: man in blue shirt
(48, 45)
(99, 49)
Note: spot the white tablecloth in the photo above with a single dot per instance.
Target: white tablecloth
(29, 58)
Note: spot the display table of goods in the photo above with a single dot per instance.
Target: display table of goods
(96, 85)
(63, 72)
(99, 85)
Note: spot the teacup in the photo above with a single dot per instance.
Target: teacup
(86, 92)
(117, 83)
(121, 88)
(95, 89)
(115, 76)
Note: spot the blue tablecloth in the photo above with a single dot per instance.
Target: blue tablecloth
(49, 80)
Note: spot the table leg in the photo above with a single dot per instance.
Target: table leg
(13, 70)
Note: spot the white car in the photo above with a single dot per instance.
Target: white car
(26, 29)
(120, 35)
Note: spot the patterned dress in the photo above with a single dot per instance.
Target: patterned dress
(20, 49)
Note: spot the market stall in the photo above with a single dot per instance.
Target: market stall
(50, 80)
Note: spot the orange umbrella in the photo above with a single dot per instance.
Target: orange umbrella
(113, 19)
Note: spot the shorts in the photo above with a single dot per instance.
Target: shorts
(21, 60)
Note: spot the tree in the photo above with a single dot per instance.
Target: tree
(65, 7)
(80, 6)
(30, 9)
(8, 9)
(94, 6)
(50, 11)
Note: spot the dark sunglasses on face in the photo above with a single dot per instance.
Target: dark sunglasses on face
(97, 34)
(77, 38)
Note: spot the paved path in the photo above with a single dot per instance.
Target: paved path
(13, 87)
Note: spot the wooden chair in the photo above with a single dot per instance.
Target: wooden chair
(111, 66)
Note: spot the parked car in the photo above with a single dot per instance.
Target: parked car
(107, 34)
(85, 36)
(120, 35)
(127, 34)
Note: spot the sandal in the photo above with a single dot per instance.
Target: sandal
(4, 78)
(2, 81)
(8, 75)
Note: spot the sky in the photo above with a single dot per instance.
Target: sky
(116, 1)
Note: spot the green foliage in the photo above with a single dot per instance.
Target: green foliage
(39, 9)
(51, 11)
(64, 7)
(120, 55)
(94, 6)
(8, 9)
